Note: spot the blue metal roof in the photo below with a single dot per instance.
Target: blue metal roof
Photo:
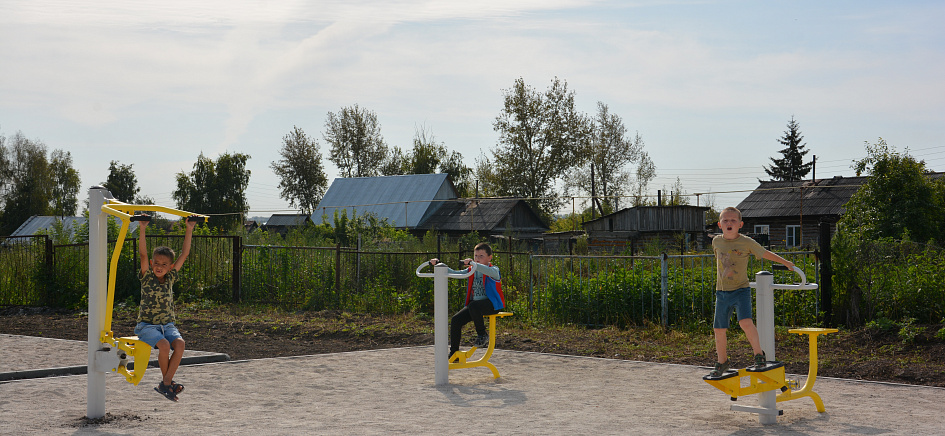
(405, 201)
(34, 224)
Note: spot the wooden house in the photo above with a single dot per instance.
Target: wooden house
(631, 228)
(789, 213)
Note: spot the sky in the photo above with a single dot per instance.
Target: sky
(709, 85)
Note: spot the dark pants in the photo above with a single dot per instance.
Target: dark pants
(473, 312)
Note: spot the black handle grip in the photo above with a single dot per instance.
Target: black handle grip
(142, 217)
(779, 267)
(196, 218)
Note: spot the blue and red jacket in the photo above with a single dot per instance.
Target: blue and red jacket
(493, 289)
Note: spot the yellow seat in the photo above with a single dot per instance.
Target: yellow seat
(808, 389)
(458, 359)
(134, 347)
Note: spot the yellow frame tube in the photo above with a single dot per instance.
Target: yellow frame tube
(808, 389)
(123, 212)
(459, 358)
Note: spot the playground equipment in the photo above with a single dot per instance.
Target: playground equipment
(106, 352)
(763, 381)
(442, 362)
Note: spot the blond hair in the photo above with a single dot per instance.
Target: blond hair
(732, 209)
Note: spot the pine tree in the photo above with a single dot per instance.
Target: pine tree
(791, 166)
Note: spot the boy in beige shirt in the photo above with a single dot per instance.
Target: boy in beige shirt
(732, 290)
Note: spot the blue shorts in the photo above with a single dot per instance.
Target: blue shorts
(738, 300)
(151, 334)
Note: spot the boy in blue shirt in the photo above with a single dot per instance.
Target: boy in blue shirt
(483, 297)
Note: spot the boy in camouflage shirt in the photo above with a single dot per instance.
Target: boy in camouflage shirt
(156, 313)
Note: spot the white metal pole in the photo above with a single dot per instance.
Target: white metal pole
(764, 303)
(98, 234)
(440, 316)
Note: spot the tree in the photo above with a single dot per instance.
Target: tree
(608, 156)
(65, 184)
(429, 156)
(791, 166)
(302, 177)
(899, 200)
(357, 147)
(541, 136)
(395, 163)
(646, 172)
(32, 184)
(216, 188)
(122, 182)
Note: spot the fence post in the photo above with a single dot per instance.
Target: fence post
(664, 288)
(237, 267)
(531, 261)
(826, 275)
(50, 272)
(338, 273)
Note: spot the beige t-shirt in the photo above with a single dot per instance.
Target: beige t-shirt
(731, 261)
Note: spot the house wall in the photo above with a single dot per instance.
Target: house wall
(810, 229)
(671, 242)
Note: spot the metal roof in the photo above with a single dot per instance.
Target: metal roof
(34, 224)
(290, 220)
(806, 197)
(485, 214)
(405, 201)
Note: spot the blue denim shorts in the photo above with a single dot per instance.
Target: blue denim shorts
(738, 300)
(151, 334)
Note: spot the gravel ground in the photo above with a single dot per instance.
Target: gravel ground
(392, 391)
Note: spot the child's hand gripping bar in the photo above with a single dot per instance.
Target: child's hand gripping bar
(802, 285)
(472, 270)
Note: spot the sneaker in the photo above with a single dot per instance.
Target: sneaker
(760, 360)
(720, 368)
(481, 341)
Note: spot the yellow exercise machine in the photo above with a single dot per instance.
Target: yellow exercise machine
(106, 352)
(766, 379)
(459, 358)
(772, 376)
(442, 363)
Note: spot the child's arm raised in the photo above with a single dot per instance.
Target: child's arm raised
(775, 258)
(143, 247)
(185, 251)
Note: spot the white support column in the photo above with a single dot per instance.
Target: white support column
(98, 234)
(764, 306)
(440, 324)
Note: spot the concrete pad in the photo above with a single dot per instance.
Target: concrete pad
(392, 391)
(33, 357)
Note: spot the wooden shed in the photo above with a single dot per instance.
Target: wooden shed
(682, 226)
(488, 216)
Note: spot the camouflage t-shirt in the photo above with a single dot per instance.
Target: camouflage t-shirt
(157, 299)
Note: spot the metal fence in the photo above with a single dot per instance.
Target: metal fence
(667, 289)
(586, 290)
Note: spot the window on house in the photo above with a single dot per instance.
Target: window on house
(763, 229)
(792, 236)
